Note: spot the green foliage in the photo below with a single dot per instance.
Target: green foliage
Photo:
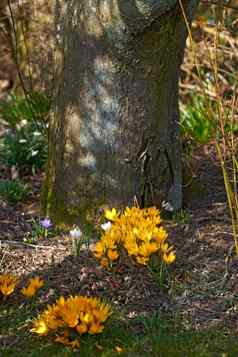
(37, 229)
(25, 143)
(33, 108)
(181, 217)
(14, 191)
(25, 148)
(159, 271)
(196, 125)
(231, 128)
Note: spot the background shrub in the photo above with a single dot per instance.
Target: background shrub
(25, 143)
(14, 191)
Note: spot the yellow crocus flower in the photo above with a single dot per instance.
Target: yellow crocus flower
(142, 260)
(87, 318)
(164, 247)
(95, 328)
(40, 327)
(99, 249)
(82, 328)
(112, 254)
(34, 285)
(7, 284)
(169, 258)
(104, 263)
(111, 215)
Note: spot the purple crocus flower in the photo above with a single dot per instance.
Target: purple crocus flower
(46, 223)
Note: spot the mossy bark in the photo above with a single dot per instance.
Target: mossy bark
(115, 135)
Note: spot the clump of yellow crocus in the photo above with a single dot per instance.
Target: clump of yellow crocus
(76, 314)
(136, 230)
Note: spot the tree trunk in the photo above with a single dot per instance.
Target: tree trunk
(115, 135)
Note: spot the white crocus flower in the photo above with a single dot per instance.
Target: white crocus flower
(106, 226)
(167, 206)
(22, 141)
(36, 133)
(34, 152)
(75, 233)
(23, 122)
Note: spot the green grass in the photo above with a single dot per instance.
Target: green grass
(154, 335)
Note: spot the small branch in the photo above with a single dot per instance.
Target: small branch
(3, 256)
(9, 242)
(228, 260)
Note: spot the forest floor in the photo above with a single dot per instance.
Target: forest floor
(201, 297)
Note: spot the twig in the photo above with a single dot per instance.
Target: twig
(9, 242)
(3, 256)
(226, 233)
(209, 219)
(228, 259)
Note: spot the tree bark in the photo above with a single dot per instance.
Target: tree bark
(115, 134)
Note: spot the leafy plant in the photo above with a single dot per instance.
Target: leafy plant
(181, 216)
(196, 126)
(24, 148)
(199, 127)
(40, 229)
(25, 143)
(14, 191)
(33, 108)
